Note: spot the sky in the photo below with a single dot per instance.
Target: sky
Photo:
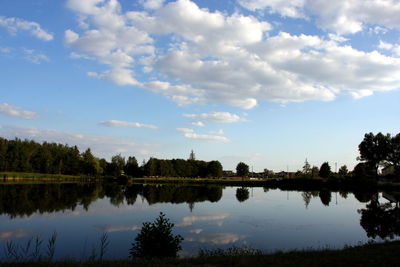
(267, 82)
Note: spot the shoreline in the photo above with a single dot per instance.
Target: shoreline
(370, 254)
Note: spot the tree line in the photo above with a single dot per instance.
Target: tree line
(51, 158)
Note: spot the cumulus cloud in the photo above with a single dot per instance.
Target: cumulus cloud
(215, 57)
(190, 134)
(293, 8)
(108, 38)
(219, 132)
(14, 111)
(197, 123)
(224, 117)
(394, 48)
(101, 146)
(152, 4)
(117, 123)
(13, 25)
(341, 16)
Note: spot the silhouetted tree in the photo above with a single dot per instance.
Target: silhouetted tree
(374, 149)
(306, 168)
(394, 153)
(314, 172)
(155, 240)
(214, 169)
(343, 171)
(242, 169)
(325, 170)
(131, 167)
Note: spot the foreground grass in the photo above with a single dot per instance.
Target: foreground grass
(384, 254)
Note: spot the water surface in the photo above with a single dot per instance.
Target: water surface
(206, 216)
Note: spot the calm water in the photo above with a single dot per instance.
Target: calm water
(207, 217)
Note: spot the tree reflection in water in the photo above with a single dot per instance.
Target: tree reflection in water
(242, 194)
(26, 199)
(381, 220)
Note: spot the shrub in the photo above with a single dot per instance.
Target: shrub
(156, 240)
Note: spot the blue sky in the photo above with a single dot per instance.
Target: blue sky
(270, 83)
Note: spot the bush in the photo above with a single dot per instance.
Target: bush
(155, 240)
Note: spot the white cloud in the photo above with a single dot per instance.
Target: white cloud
(107, 38)
(293, 8)
(35, 57)
(117, 123)
(341, 16)
(190, 134)
(219, 132)
(394, 48)
(5, 50)
(224, 117)
(198, 123)
(14, 111)
(152, 4)
(181, 94)
(101, 146)
(119, 76)
(213, 57)
(13, 25)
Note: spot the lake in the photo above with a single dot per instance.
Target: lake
(207, 217)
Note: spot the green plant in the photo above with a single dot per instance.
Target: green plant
(156, 240)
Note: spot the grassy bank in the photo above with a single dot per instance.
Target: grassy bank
(334, 184)
(385, 254)
(28, 177)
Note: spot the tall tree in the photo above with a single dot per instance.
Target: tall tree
(374, 149)
(131, 167)
(117, 164)
(394, 152)
(325, 170)
(242, 169)
(214, 169)
(91, 165)
(306, 168)
(343, 170)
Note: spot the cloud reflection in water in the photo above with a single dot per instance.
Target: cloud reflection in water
(217, 239)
